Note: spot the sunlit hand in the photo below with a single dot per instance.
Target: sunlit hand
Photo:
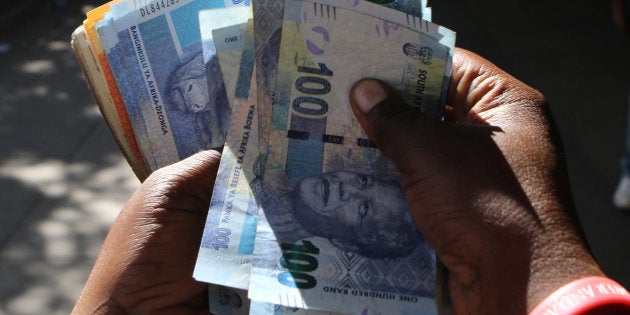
(146, 263)
(487, 188)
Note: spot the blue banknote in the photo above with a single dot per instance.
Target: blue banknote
(229, 51)
(261, 308)
(118, 63)
(182, 111)
(228, 239)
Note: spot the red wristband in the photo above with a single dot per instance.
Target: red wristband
(583, 295)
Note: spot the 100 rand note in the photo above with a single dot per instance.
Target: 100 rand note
(227, 243)
(213, 266)
(223, 300)
(268, 16)
(318, 148)
(229, 48)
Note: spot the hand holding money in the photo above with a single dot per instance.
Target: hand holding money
(491, 227)
(488, 188)
(146, 262)
(308, 216)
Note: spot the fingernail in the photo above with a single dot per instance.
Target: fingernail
(367, 93)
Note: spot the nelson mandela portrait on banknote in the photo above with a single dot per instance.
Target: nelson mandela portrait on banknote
(358, 212)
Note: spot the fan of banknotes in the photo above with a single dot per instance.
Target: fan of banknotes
(307, 216)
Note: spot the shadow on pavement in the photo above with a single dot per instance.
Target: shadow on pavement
(62, 178)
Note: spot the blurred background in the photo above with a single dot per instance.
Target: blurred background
(63, 180)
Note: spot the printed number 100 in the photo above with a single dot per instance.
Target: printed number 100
(220, 238)
(295, 258)
(312, 86)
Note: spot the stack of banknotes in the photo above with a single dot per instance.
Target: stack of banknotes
(307, 216)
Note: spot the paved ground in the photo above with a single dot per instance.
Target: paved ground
(62, 179)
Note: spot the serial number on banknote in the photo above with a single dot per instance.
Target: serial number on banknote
(156, 6)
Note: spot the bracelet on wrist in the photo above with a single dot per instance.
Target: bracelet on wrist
(582, 295)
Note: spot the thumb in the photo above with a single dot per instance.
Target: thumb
(434, 157)
(377, 106)
(396, 128)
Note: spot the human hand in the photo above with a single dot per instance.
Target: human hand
(621, 14)
(146, 263)
(487, 188)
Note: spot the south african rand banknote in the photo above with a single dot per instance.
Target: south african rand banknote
(116, 59)
(229, 301)
(231, 21)
(212, 263)
(228, 238)
(116, 114)
(261, 308)
(335, 233)
(223, 300)
(160, 50)
(268, 25)
(216, 264)
(229, 48)
(229, 55)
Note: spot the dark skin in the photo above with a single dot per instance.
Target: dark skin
(620, 14)
(487, 188)
(145, 265)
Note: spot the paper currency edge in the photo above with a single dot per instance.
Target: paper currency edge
(89, 68)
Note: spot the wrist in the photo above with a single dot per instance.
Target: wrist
(584, 295)
(555, 266)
